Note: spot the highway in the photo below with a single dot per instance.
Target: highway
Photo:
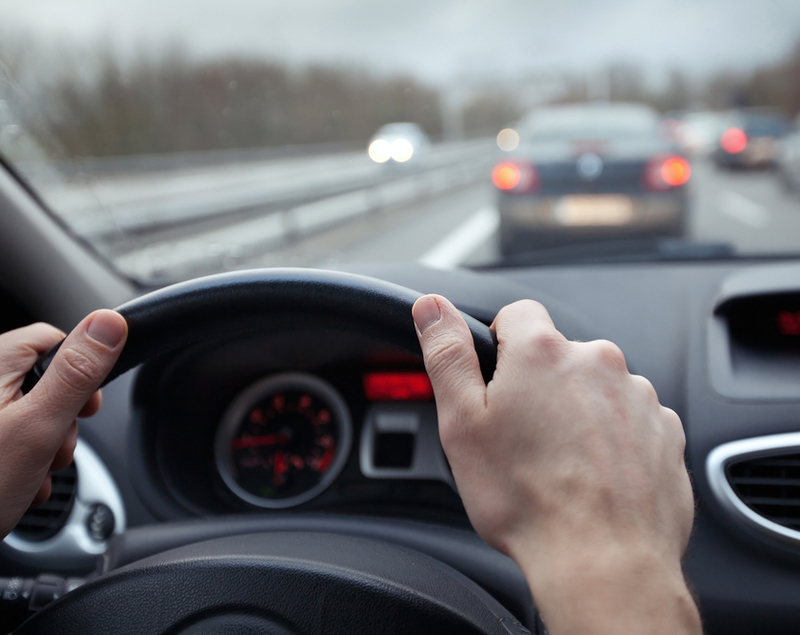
(327, 210)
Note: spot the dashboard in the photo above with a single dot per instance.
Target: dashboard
(306, 420)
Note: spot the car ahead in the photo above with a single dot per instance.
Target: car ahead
(587, 173)
(752, 141)
(788, 161)
(398, 143)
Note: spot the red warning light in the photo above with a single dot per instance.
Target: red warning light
(789, 322)
(398, 386)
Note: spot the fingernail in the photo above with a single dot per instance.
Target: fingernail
(107, 328)
(426, 312)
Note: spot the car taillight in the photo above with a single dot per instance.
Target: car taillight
(515, 176)
(733, 140)
(664, 172)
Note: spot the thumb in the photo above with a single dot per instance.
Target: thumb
(450, 359)
(76, 372)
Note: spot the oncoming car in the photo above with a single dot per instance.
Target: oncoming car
(585, 173)
(398, 143)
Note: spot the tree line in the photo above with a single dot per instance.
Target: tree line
(170, 103)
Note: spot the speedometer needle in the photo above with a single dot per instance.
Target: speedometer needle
(263, 439)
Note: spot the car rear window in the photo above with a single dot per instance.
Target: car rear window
(589, 123)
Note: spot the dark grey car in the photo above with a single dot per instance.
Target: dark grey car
(590, 172)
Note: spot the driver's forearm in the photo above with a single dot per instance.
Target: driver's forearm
(593, 598)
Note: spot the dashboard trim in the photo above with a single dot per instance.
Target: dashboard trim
(418, 418)
(721, 456)
(73, 542)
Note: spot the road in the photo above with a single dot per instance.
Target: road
(748, 210)
(440, 214)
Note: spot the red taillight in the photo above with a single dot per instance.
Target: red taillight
(664, 172)
(675, 171)
(515, 176)
(733, 140)
(398, 386)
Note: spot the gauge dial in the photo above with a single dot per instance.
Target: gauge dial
(283, 440)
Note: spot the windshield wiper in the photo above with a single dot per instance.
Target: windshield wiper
(615, 251)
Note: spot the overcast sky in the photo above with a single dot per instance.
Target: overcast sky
(432, 39)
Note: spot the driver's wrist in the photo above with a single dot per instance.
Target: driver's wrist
(611, 593)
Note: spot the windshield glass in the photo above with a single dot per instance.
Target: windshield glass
(190, 137)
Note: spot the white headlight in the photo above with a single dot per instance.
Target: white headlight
(402, 150)
(380, 151)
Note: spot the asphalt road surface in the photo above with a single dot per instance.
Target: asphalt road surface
(748, 210)
(455, 223)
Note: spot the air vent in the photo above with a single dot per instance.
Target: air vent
(45, 521)
(770, 486)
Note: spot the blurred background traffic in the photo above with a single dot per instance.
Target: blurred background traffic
(182, 138)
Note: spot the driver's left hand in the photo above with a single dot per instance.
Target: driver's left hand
(38, 431)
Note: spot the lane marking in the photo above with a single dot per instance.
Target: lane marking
(464, 240)
(743, 209)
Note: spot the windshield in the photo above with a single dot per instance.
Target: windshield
(185, 138)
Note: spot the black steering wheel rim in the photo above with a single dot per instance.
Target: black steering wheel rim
(191, 312)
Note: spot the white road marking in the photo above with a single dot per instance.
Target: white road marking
(741, 208)
(464, 240)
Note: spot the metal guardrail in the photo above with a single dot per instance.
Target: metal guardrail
(225, 247)
(145, 204)
(154, 221)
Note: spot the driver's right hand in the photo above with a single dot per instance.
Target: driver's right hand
(570, 465)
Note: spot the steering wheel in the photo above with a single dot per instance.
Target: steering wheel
(278, 583)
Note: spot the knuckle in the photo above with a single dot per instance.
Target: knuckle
(674, 427)
(528, 306)
(80, 370)
(545, 341)
(44, 326)
(609, 355)
(522, 310)
(646, 388)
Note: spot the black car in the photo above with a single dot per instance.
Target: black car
(753, 141)
(590, 172)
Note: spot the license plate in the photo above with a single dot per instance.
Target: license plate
(599, 209)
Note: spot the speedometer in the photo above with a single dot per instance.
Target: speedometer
(283, 440)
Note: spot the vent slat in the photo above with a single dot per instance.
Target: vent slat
(760, 480)
(781, 462)
(45, 521)
(776, 500)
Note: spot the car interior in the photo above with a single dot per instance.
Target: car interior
(183, 511)
(685, 326)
